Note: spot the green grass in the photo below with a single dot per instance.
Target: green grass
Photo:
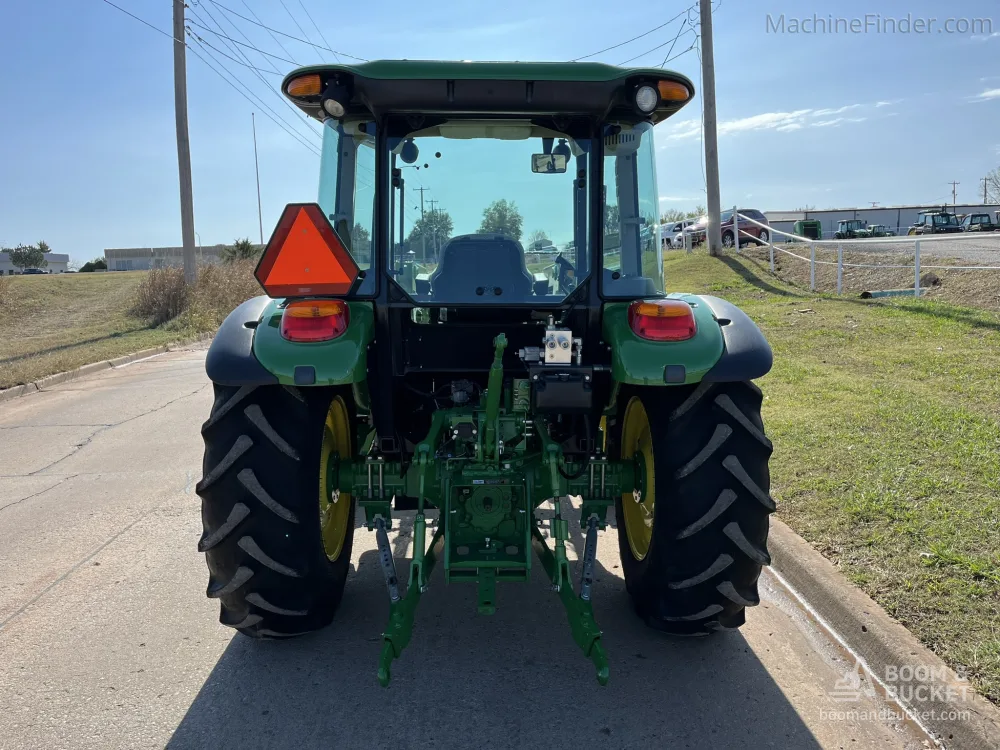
(885, 417)
(58, 322)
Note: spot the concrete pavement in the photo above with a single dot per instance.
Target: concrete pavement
(107, 639)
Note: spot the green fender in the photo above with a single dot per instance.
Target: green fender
(342, 361)
(728, 346)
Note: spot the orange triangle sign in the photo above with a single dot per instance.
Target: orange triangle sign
(305, 257)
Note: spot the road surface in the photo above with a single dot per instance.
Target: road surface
(107, 639)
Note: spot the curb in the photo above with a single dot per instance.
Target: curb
(904, 668)
(9, 394)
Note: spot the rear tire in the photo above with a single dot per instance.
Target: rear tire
(727, 240)
(711, 507)
(261, 513)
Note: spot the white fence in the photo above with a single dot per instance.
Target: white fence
(990, 241)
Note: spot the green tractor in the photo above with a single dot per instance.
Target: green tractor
(409, 360)
(849, 229)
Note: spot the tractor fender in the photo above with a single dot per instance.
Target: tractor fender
(339, 361)
(230, 359)
(746, 354)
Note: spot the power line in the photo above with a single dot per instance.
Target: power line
(640, 36)
(256, 100)
(214, 69)
(238, 30)
(257, 72)
(269, 32)
(228, 57)
(242, 44)
(680, 33)
(282, 33)
(298, 25)
(309, 16)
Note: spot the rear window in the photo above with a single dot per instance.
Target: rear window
(753, 213)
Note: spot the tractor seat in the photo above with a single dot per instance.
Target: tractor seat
(481, 267)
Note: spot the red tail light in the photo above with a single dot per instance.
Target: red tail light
(314, 320)
(662, 320)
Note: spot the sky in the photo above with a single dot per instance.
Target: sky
(807, 116)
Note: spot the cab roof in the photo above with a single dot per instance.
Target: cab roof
(464, 87)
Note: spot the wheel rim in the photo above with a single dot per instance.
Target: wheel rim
(334, 506)
(727, 240)
(763, 236)
(639, 505)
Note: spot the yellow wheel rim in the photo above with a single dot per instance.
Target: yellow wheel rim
(334, 506)
(638, 505)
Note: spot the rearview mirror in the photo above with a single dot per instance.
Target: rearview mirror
(548, 163)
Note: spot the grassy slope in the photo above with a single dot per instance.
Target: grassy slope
(61, 321)
(886, 423)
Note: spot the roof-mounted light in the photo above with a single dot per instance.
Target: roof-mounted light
(672, 91)
(335, 99)
(304, 86)
(646, 99)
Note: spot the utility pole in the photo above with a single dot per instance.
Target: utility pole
(954, 194)
(714, 233)
(183, 144)
(421, 189)
(874, 204)
(985, 182)
(436, 248)
(256, 167)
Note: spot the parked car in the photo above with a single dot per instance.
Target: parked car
(935, 222)
(675, 232)
(978, 223)
(27, 271)
(759, 235)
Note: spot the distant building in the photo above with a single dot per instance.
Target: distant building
(897, 218)
(58, 263)
(145, 258)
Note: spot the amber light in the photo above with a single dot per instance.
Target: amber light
(662, 320)
(671, 91)
(304, 86)
(314, 320)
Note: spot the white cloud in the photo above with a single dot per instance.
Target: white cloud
(985, 37)
(765, 121)
(781, 122)
(675, 198)
(990, 94)
(845, 108)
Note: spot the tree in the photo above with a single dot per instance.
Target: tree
(97, 264)
(993, 186)
(538, 237)
(361, 240)
(27, 256)
(44, 247)
(430, 232)
(612, 218)
(502, 217)
(241, 249)
(672, 216)
(698, 212)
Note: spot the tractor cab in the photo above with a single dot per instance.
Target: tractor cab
(851, 228)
